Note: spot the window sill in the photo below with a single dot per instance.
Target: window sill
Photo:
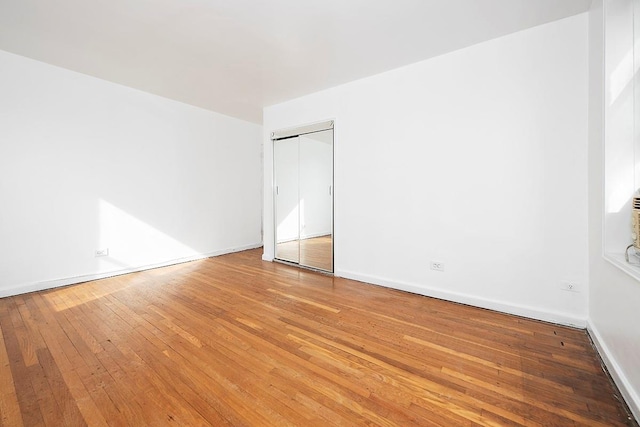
(618, 260)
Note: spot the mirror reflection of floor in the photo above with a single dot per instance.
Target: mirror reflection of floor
(314, 252)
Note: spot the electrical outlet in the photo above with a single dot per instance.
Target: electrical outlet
(567, 285)
(437, 266)
(102, 252)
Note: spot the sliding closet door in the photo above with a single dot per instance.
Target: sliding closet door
(287, 201)
(316, 200)
(303, 196)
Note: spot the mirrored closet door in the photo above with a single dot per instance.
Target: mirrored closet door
(303, 175)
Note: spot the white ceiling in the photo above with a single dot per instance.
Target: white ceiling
(237, 56)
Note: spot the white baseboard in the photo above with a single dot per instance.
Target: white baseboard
(501, 306)
(50, 284)
(313, 236)
(266, 257)
(628, 393)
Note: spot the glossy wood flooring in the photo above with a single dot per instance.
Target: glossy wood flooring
(315, 252)
(235, 341)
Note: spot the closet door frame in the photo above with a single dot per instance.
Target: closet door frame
(297, 132)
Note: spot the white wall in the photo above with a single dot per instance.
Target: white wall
(619, 102)
(476, 159)
(86, 164)
(287, 176)
(316, 176)
(614, 296)
(303, 176)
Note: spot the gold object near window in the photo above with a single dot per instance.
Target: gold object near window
(303, 196)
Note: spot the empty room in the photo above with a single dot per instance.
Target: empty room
(296, 213)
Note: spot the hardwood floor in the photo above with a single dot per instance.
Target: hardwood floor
(315, 252)
(237, 341)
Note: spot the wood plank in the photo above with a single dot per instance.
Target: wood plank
(236, 341)
(80, 379)
(24, 389)
(9, 407)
